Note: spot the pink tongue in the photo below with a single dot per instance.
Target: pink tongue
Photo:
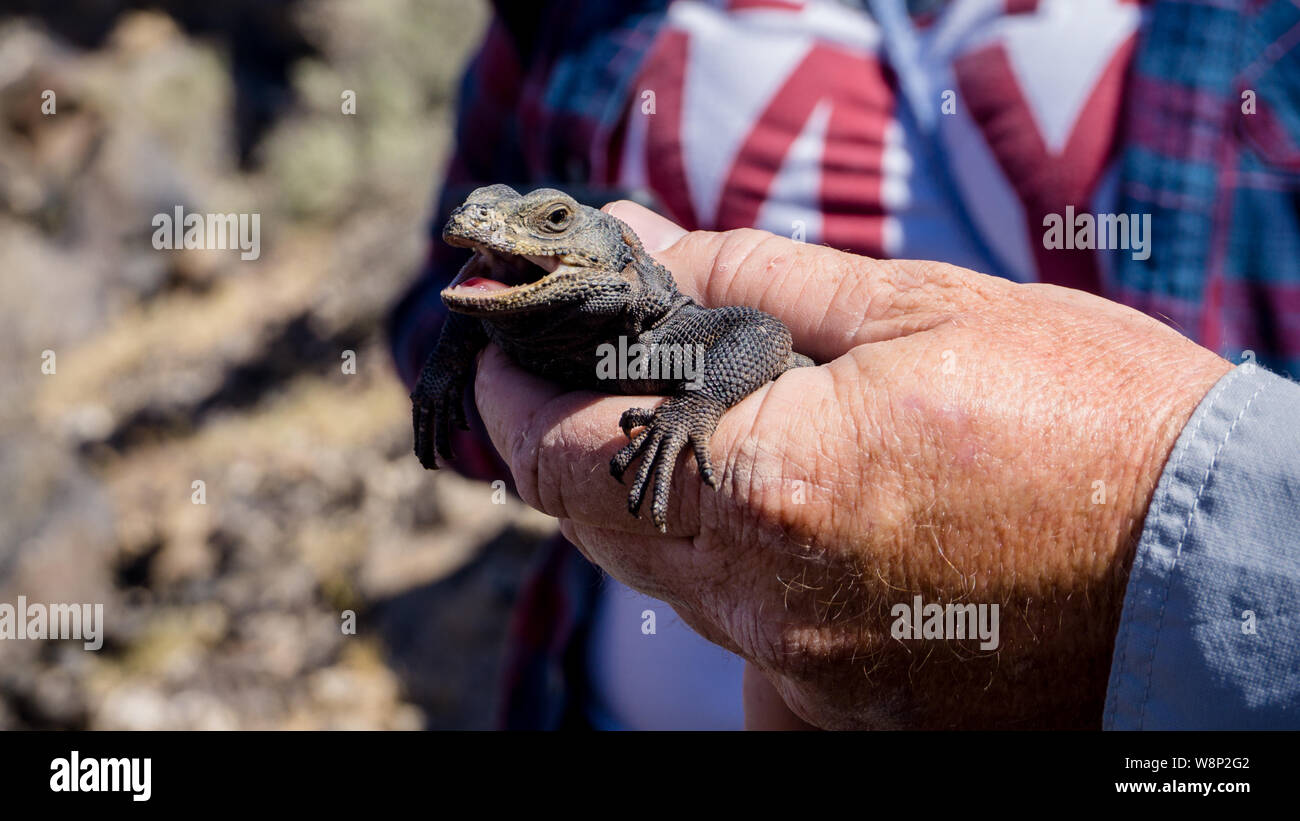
(482, 284)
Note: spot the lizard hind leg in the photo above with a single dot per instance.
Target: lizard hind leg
(677, 423)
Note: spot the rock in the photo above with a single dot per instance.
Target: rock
(224, 607)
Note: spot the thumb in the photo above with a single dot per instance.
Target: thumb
(655, 232)
(830, 300)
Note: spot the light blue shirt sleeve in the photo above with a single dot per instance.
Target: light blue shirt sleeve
(1210, 632)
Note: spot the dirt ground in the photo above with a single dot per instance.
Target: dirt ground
(171, 368)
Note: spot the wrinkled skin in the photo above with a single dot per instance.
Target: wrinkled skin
(952, 446)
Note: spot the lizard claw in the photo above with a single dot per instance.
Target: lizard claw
(634, 418)
(623, 459)
(422, 425)
(437, 406)
(432, 421)
(679, 422)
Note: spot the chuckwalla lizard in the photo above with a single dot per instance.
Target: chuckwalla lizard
(551, 282)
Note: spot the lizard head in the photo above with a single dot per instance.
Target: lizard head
(532, 251)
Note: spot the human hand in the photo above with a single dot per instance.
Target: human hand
(969, 440)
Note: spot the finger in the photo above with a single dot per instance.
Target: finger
(764, 707)
(677, 571)
(651, 563)
(655, 231)
(559, 444)
(516, 407)
(830, 300)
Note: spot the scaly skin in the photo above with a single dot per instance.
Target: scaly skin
(578, 279)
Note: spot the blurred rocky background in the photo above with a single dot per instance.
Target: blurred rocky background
(176, 367)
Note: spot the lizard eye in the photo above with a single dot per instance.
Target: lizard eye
(557, 218)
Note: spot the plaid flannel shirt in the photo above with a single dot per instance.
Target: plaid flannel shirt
(1211, 149)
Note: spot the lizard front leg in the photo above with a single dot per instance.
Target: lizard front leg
(743, 349)
(438, 401)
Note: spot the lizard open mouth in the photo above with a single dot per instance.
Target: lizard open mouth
(489, 272)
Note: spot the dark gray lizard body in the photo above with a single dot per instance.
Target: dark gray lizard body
(556, 285)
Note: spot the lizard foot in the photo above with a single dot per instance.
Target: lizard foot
(678, 422)
(436, 405)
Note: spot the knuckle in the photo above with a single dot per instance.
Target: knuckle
(523, 460)
(554, 467)
(739, 250)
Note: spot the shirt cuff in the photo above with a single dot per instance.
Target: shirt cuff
(1210, 632)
